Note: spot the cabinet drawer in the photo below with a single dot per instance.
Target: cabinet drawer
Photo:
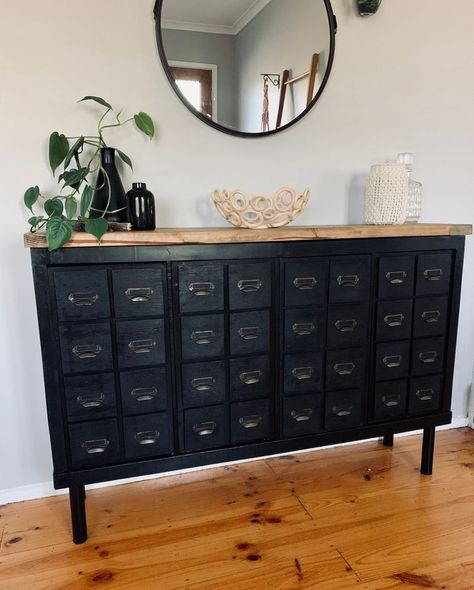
(425, 395)
(201, 287)
(203, 383)
(303, 373)
(85, 347)
(396, 276)
(394, 319)
(202, 336)
(94, 443)
(82, 294)
(249, 378)
(349, 279)
(147, 436)
(433, 275)
(343, 410)
(431, 315)
(390, 400)
(138, 292)
(249, 332)
(250, 421)
(90, 397)
(250, 285)
(427, 356)
(303, 415)
(306, 282)
(205, 428)
(304, 329)
(347, 326)
(345, 368)
(144, 391)
(392, 360)
(140, 343)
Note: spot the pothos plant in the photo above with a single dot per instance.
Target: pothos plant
(78, 160)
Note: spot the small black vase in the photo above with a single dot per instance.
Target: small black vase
(109, 193)
(368, 7)
(141, 207)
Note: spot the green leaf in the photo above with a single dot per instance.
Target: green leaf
(58, 232)
(86, 200)
(31, 196)
(125, 158)
(53, 207)
(58, 149)
(145, 124)
(97, 227)
(70, 207)
(97, 99)
(74, 150)
(73, 177)
(35, 221)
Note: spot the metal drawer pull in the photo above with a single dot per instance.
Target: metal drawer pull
(428, 357)
(394, 320)
(94, 447)
(202, 289)
(305, 283)
(392, 361)
(431, 317)
(346, 325)
(304, 329)
(425, 394)
(149, 437)
(249, 286)
(348, 280)
(144, 394)
(205, 428)
(91, 400)
(433, 274)
(83, 299)
(139, 295)
(302, 415)
(391, 400)
(344, 368)
(251, 377)
(251, 333)
(203, 337)
(250, 421)
(203, 383)
(142, 346)
(302, 373)
(87, 351)
(342, 411)
(396, 277)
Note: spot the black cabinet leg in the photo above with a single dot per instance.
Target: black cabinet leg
(428, 450)
(388, 440)
(78, 513)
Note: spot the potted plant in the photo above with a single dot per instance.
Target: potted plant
(79, 201)
(368, 7)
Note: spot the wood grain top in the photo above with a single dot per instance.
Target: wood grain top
(229, 235)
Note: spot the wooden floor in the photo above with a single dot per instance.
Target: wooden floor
(352, 517)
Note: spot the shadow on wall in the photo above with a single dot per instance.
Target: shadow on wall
(356, 199)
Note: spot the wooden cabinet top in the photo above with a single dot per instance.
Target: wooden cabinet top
(228, 235)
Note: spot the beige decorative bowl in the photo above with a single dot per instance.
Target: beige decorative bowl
(260, 211)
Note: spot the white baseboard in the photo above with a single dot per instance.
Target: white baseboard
(45, 489)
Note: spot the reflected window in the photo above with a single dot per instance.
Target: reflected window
(196, 86)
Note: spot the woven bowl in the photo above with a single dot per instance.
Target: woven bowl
(260, 211)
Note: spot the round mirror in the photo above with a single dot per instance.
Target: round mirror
(247, 67)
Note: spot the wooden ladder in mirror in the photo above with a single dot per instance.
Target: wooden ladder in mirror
(286, 81)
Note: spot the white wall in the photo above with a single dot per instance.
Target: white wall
(402, 80)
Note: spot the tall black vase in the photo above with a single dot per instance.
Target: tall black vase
(109, 194)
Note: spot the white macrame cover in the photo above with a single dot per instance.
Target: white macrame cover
(386, 199)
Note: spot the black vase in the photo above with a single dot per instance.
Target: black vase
(141, 207)
(109, 194)
(368, 7)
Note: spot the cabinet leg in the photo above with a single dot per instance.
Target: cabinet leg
(388, 440)
(428, 450)
(78, 513)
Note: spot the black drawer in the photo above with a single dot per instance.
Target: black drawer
(349, 279)
(147, 436)
(140, 343)
(304, 329)
(85, 347)
(345, 368)
(249, 332)
(306, 282)
(202, 336)
(82, 294)
(203, 384)
(249, 378)
(205, 428)
(431, 316)
(303, 415)
(90, 397)
(392, 360)
(94, 443)
(144, 391)
(250, 421)
(390, 400)
(425, 395)
(303, 373)
(201, 287)
(343, 409)
(394, 319)
(138, 292)
(250, 285)
(427, 356)
(396, 276)
(347, 326)
(433, 275)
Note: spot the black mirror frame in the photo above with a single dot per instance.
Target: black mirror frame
(164, 62)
